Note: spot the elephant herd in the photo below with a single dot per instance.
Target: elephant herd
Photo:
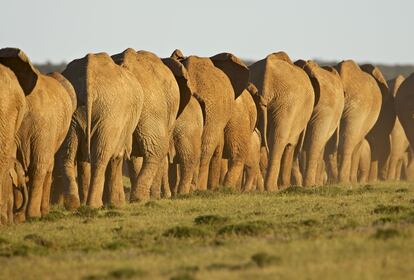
(185, 123)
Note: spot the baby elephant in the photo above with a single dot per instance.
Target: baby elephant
(14, 196)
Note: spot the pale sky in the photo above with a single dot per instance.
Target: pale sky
(376, 31)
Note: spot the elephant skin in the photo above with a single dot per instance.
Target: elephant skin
(399, 141)
(362, 107)
(51, 101)
(12, 110)
(379, 136)
(15, 196)
(161, 106)
(113, 99)
(286, 95)
(327, 111)
(217, 82)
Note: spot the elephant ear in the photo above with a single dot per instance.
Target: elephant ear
(235, 69)
(330, 69)
(20, 64)
(310, 68)
(177, 54)
(376, 73)
(183, 81)
(300, 63)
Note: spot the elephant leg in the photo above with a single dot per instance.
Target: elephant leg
(313, 157)
(356, 157)
(392, 168)
(287, 163)
(45, 206)
(98, 169)
(187, 170)
(165, 183)
(275, 158)
(71, 192)
(155, 191)
(84, 180)
(251, 175)
(114, 188)
(134, 168)
(140, 190)
(297, 178)
(398, 170)
(37, 176)
(215, 166)
(234, 173)
(223, 170)
(57, 188)
(172, 177)
(373, 171)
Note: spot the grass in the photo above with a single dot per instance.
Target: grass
(296, 233)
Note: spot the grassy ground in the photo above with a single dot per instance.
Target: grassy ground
(337, 232)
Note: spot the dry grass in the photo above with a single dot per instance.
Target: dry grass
(337, 232)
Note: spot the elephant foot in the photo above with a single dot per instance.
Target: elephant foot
(139, 198)
(45, 211)
(19, 218)
(95, 204)
(33, 214)
(72, 202)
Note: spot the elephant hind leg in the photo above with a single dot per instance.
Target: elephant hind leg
(37, 175)
(45, 207)
(287, 163)
(98, 169)
(114, 194)
(234, 173)
(215, 166)
(140, 190)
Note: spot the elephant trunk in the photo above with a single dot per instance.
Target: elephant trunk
(263, 126)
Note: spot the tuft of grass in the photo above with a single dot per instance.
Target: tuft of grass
(253, 228)
(183, 276)
(309, 222)
(115, 245)
(262, 259)
(112, 214)
(382, 221)
(87, 212)
(152, 204)
(210, 220)
(54, 216)
(184, 232)
(389, 209)
(386, 234)
(401, 190)
(38, 240)
(125, 273)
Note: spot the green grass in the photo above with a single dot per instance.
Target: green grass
(336, 232)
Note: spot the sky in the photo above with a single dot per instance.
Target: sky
(377, 31)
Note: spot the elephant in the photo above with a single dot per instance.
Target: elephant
(404, 103)
(217, 82)
(286, 93)
(327, 111)
(361, 163)
(238, 135)
(185, 147)
(379, 136)
(113, 100)
(361, 110)
(51, 101)
(12, 110)
(399, 141)
(14, 196)
(163, 103)
(253, 177)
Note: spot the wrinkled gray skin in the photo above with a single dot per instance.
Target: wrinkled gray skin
(14, 197)
(12, 109)
(51, 101)
(113, 99)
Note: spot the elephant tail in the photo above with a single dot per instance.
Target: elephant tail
(88, 125)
